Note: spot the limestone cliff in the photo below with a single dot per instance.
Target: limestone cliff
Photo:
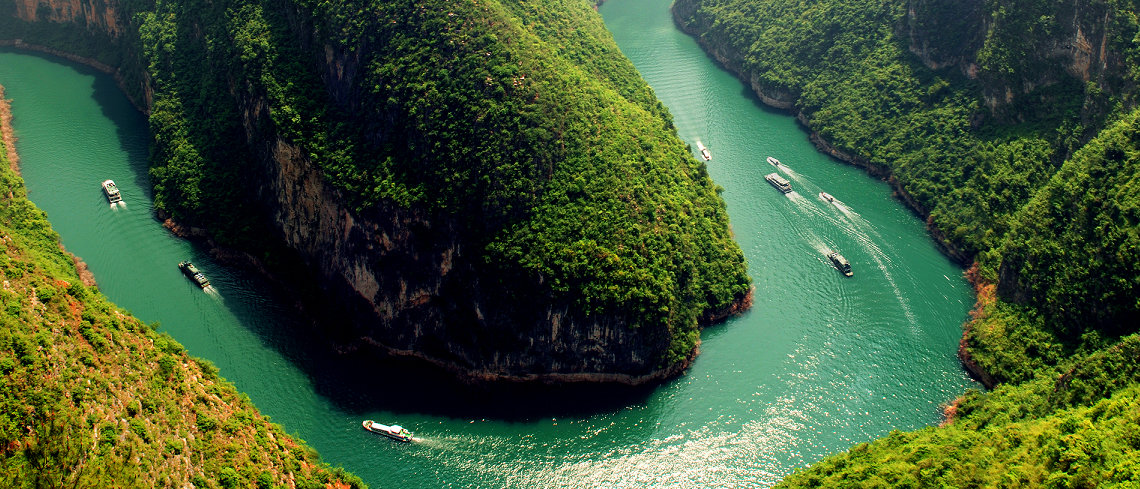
(402, 280)
(1014, 50)
(95, 15)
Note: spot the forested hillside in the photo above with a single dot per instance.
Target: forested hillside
(494, 173)
(518, 123)
(92, 397)
(1011, 127)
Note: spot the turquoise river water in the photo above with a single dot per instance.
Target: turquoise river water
(820, 363)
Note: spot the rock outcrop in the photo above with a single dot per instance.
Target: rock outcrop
(405, 282)
(1013, 56)
(95, 15)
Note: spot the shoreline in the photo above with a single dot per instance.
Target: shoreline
(89, 62)
(785, 101)
(7, 134)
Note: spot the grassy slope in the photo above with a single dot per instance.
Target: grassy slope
(92, 397)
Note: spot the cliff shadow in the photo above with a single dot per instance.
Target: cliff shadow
(358, 378)
(413, 385)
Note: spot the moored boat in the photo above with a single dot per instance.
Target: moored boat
(195, 275)
(773, 161)
(395, 432)
(840, 263)
(782, 184)
(704, 151)
(112, 191)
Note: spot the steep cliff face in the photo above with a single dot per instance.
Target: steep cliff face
(96, 15)
(1014, 50)
(413, 282)
(417, 278)
(944, 34)
(402, 280)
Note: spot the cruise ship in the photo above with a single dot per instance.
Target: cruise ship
(112, 191)
(394, 432)
(195, 275)
(782, 184)
(840, 263)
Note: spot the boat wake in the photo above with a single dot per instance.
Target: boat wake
(868, 237)
(794, 175)
(861, 231)
(784, 168)
(818, 245)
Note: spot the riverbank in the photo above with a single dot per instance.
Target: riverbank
(150, 413)
(785, 100)
(777, 388)
(7, 134)
(101, 67)
(246, 259)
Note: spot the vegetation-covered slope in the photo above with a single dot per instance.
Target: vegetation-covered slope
(92, 397)
(521, 120)
(518, 121)
(1010, 124)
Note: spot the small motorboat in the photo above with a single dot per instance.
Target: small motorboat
(395, 432)
(112, 191)
(826, 196)
(774, 162)
(704, 151)
(781, 183)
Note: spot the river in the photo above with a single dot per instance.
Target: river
(820, 363)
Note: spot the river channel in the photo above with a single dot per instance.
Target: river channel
(820, 363)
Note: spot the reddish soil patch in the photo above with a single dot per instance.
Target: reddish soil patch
(6, 131)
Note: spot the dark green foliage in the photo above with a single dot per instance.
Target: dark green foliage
(1012, 343)
(964, 155)
(1074, 252)
(971, 162)
(1073, 429)
(520, 121)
